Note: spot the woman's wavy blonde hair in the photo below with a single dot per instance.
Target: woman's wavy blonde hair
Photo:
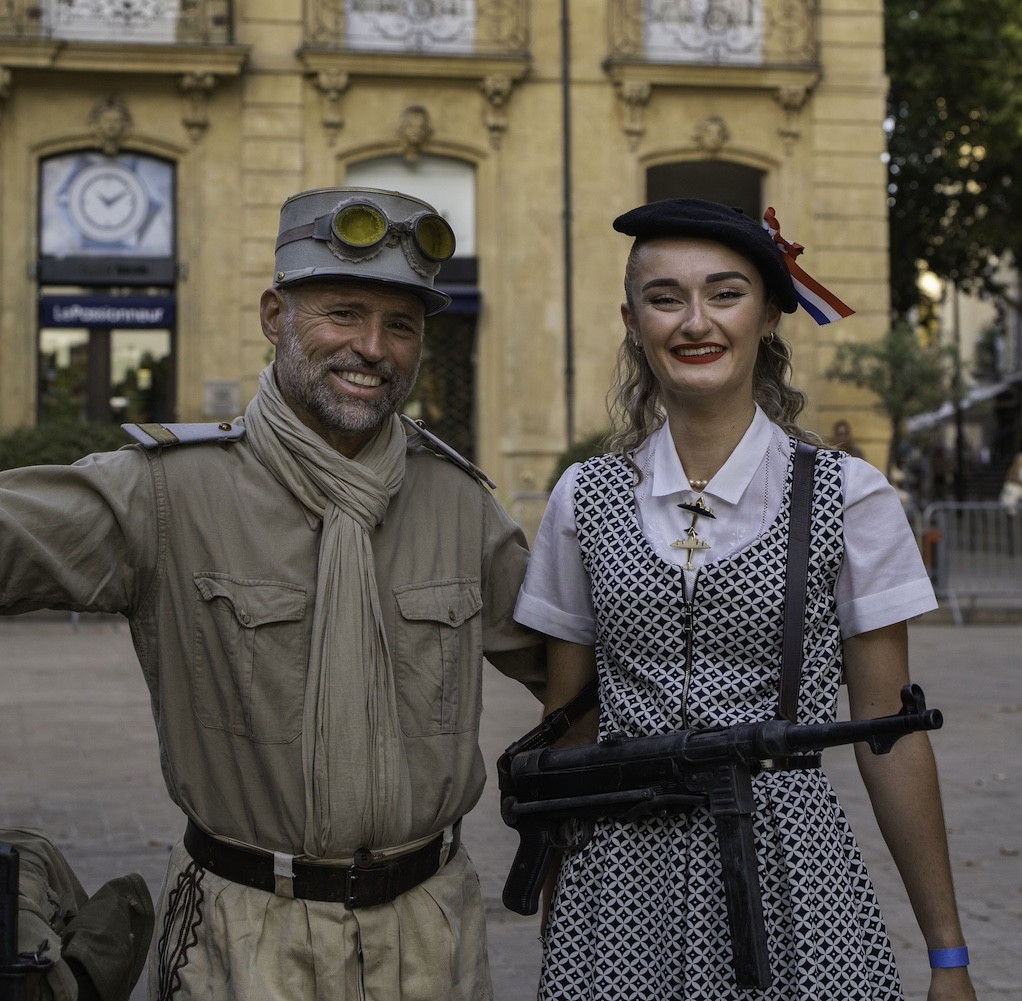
(635, 402)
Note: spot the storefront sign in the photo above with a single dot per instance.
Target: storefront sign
(135, 312)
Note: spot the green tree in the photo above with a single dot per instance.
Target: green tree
(906, 377)
(955, 142)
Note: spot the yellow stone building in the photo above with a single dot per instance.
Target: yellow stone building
(145, 150)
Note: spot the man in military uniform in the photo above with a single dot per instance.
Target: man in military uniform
(311, 594)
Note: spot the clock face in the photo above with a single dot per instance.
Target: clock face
(107, 202)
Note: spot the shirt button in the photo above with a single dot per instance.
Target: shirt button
(450, 614)
(245, 618)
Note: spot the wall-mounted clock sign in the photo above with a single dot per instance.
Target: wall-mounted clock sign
(107, 202)
(106, 219)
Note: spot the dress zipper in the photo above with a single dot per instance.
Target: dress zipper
(688, 628)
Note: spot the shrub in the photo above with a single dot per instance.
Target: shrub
(586, 448)
(58, 443)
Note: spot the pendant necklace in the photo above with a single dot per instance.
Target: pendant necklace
(691, 542)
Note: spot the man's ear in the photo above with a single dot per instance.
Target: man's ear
(271, 312)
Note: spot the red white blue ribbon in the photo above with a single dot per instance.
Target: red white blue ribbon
(820, 303)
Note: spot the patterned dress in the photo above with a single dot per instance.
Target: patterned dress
(639, 912)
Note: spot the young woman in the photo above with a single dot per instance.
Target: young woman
(660, 570)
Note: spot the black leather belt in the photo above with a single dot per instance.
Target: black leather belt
(365, 883)
(796, 763)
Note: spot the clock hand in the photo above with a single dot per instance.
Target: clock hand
(114, 198)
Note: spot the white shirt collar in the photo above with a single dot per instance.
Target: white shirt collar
(731, 480)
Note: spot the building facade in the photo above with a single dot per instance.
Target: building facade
(145, 150)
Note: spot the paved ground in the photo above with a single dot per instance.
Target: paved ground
(80, 762)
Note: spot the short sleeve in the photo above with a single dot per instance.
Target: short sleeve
(882, 579)
(556, 595)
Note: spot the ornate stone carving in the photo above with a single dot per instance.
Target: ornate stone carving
(196, 88)
(711, 135)
(497, 90)
(634, 95)
(331, 84)
(791, 100)
(111, 122)
(414, 130)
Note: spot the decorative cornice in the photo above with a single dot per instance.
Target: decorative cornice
(174, 60)
(706, 77)
(420, 66)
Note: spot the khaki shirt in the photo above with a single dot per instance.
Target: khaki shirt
(214, 564)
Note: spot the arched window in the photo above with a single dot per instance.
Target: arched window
(720, 181)
(107, 287)
(444, 396)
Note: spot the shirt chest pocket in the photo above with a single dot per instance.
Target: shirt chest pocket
(250, 655)
(438, 656)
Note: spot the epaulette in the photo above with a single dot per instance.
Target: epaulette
(442, 449)
(165, 435)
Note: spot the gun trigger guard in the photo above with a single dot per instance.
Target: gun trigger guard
(572, 834)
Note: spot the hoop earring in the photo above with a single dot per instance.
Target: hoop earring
(769, 339)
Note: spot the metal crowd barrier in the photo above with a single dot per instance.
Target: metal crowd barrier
(973, 551)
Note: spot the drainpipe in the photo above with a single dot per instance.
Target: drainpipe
(569, 318)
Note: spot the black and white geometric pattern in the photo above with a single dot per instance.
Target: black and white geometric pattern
(639, 912)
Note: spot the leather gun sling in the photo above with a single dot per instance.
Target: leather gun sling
(797, 570)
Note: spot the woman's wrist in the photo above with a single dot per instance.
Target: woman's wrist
(947, 959)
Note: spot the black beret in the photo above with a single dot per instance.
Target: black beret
(707, 220)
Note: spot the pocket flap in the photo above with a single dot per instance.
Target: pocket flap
(448, 602)
(254, 602)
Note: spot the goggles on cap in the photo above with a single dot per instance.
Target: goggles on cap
(359, 229)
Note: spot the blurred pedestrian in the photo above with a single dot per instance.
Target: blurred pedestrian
(1011, 492)
(841, 438)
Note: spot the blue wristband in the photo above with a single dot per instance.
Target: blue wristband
(946, 959)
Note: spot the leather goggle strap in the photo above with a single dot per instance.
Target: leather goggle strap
(318, 229)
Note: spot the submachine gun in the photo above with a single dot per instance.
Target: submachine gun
(553, 796)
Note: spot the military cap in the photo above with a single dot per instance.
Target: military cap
(366, 234)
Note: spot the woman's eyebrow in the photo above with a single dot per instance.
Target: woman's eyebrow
(717, 276)
(726, 276)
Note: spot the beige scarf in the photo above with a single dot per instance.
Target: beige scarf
(356, 776)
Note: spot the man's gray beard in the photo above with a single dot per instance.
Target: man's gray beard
(304, 382)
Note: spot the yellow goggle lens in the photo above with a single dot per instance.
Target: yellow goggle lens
(435, 237)
(360, 225)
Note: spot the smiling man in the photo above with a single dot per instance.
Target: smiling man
(311, 595)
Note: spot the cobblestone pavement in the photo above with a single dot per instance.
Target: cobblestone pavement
(77, 740)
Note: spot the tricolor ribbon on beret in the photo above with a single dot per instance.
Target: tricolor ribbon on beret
(820, 303)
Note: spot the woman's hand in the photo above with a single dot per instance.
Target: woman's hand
(951, 985)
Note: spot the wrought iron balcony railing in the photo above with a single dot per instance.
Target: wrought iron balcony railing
(419, 27)
(130, 22)
(746, 33)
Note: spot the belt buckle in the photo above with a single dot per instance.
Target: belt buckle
(362, 861)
